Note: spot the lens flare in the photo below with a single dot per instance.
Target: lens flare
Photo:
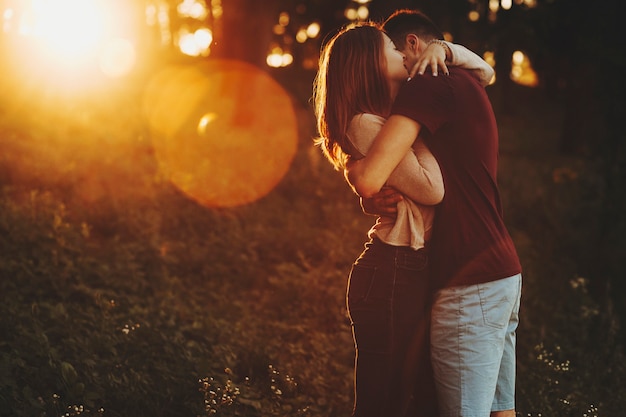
(224, 132)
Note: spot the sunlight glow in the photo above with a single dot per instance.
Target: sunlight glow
(7, 20)
(152, 15)
(54, 24)
(224, 132)
(117, 57)
(72, 38)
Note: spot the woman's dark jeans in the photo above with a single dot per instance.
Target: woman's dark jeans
(388, 301)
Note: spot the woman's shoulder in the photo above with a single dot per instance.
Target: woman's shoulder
(366, 122)
(367, 119)
(363, 129)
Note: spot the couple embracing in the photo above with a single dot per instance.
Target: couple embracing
(434, 297)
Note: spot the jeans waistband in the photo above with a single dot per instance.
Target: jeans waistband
(399, 255)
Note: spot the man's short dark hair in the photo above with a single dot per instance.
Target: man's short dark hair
(407, 21)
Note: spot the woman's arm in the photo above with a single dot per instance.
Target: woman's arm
(438, 52)
(417, 176)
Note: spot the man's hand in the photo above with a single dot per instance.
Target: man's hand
(383, 203)
(434, 55)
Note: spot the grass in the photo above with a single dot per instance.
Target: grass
(123, 297)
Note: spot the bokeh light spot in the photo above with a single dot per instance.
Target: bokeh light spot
(522, 71)
(224, 132)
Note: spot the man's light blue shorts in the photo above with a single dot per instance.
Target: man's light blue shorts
(473, 347)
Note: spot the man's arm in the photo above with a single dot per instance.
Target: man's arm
(369, 174)
(384, 203)
(465, 58)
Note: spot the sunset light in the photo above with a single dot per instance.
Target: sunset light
(54, 25)
(117, 57)
(71, 37)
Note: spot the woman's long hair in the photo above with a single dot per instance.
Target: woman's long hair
(351, 79)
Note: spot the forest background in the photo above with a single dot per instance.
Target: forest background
(124, 296)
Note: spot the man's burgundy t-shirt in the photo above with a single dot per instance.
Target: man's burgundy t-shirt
(470, 243)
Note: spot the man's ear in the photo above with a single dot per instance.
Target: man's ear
(412, 42)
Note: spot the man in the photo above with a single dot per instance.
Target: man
(475, 270)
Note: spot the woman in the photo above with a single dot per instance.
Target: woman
(388, 297)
